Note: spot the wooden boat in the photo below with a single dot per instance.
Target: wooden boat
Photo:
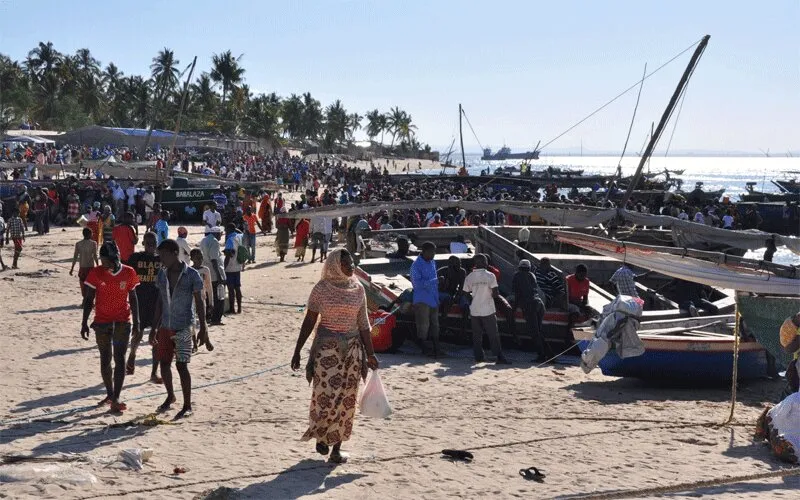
(790, 186)
(761, 196)
(689, 349)
(385, 280)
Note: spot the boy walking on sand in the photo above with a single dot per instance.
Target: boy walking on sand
(180, 287)
(86, 254)
(208, 294)
(111, 290)
(15, 231)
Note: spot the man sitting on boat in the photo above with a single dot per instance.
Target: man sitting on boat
(527, 297)
(550, 283)
(578, 293)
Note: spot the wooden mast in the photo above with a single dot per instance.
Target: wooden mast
(665, 117)
(461, 137)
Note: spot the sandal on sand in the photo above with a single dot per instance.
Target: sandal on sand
(323, 449)
(337, 457)
(458, 455)
(532, 474)
(106, 401)
(130, 368)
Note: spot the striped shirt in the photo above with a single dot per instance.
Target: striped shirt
(550, 282)
(16, 229)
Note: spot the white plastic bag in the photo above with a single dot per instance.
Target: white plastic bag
(46, 473)
(374, 402)
(135, 457)
(595, 351)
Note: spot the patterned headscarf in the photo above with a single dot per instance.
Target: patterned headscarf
(332, 270)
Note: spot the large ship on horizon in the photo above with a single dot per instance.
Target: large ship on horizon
(505, 153)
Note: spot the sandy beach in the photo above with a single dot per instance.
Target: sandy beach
(589, 434)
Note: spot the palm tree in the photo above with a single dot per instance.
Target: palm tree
(292, 115)
(202, 102)
(406, 130)
(312, 117)
(336, 124)
(86, 63)
(226, 71)
(353, 125)
(165, 72)
(43, 59)
(263, 118)
(376, 124)
(394, 118)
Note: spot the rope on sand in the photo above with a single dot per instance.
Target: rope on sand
(787, 472)
(676, 488)
(146, 396)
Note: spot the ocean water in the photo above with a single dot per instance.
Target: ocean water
(729, 173)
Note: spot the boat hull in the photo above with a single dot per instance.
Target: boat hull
(689, 361)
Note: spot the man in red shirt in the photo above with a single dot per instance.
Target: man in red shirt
(125, 237)
(578, 293)
(110, 288)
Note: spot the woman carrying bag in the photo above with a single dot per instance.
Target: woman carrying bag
(340, 354)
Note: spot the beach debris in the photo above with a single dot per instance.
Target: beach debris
(220, 493)
(47, 473)
(461, 455)
(135, 457)
(780, 426)
(149, 420)
(179, 470)
(532, 474)
(42, 273)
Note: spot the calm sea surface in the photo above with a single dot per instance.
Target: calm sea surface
(729, 173)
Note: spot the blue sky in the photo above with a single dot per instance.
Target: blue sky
(524, 70)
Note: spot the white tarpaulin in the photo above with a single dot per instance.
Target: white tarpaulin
(691, 269)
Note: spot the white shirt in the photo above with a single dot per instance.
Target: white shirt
(699, 218)
(524, 235)
(683, 216)
(480, 284)
(118, 193)
(212, 218)
(131, 192)
(233, 262)
(184, 250)
(727, 221)
(149, 201)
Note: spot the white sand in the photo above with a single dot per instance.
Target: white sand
(587, 433)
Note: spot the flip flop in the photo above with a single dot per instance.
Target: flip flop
(532, 474)
(129, 369)
(338, 458)
(323, 449)
(462, 455)
(106, 401)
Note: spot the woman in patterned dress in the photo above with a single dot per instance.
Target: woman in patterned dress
(340, 354)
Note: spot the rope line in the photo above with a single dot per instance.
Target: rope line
(472, 129)
(708, 483)
(147, 396)
(559, 136)
(633, 118)
(414, 455)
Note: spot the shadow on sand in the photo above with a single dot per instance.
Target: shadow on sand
(71, 307)
(308, 477)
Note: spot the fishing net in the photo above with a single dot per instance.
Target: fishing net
(764, 316)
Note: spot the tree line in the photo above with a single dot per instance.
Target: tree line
(53, 90)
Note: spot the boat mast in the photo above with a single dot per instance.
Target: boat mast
(665, 117)
(461, 137)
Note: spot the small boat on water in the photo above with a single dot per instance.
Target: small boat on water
(688, 349)
(790, 186)
(761, 196)
(505, 153)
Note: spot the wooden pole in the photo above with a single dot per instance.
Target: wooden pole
(665, 117)
(461, 137)
(177, 122)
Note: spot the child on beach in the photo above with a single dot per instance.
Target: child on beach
(208, 295)
(15, 231)
(86, 254)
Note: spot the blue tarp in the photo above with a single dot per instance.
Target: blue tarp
(142, 132)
